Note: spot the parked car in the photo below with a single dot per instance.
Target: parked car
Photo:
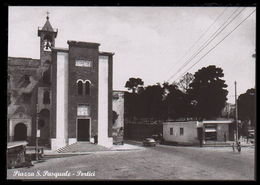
(149, 142)
(158, 138)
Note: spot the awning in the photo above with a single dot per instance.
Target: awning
(210, 130)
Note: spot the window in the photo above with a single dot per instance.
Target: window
(80, 87)
(83, 87)
(87, 87)
(47, 43)
(83, 63)
(46, 97)
(41, 123)
(27, 98)
(46, 78)
(27, 78)
(47, 63)
(181, 131)
(171, 131)
(83, 110)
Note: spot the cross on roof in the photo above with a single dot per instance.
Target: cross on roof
(47, 14)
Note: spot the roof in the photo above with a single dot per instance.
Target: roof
(47, 26)
(178, 122)
(106, 53)
(83, 44)
(217, 121)
(60, 49)
(16, 144)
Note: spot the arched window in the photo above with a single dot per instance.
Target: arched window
(47, 63)
(46, 97)
(87, 87)
(47, 43)
(80, 88)
(46, 77)
(41, 123)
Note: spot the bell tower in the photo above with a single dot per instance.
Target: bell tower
(47, 40)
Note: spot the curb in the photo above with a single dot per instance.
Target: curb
(87, 153)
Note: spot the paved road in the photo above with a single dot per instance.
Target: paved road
(160, 163)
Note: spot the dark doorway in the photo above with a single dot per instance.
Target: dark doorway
(20, 132)
(83, 130)
(211, 136)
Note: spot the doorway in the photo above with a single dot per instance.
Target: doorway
(20, 132)
(83, 129)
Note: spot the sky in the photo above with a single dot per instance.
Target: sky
(151, 43)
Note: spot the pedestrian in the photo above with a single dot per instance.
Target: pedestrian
(239, 147)
(233, 147)
(95, 139)
(225, 137)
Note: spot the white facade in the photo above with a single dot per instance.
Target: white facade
(103, 138)
(181, 132)
(62, 102)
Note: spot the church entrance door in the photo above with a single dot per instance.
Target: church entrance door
(83, 129)
(20, 132)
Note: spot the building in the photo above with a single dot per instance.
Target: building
(181, 132)
(66, 94)
(218, 130)
(191, 132)
(228, 111)
(118, 113)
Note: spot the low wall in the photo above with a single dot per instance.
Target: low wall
(141, 131)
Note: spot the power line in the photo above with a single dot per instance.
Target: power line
(206, 43)
(218, 43)
(198, 40)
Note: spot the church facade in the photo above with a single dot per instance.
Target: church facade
(62, 98)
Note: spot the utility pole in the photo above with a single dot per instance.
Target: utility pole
(236, 119)
(37, 148)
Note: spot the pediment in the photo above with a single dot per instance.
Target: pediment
(20, 115)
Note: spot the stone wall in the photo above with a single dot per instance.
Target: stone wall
(141, 131)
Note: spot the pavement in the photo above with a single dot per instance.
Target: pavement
(227, 144)
(83, 148)
(162, 162)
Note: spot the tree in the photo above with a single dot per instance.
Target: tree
(246, 103)
(185, 81)
(133, 84)
(131, 105)
(151, 102)
(207, 89)
(176, 103)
